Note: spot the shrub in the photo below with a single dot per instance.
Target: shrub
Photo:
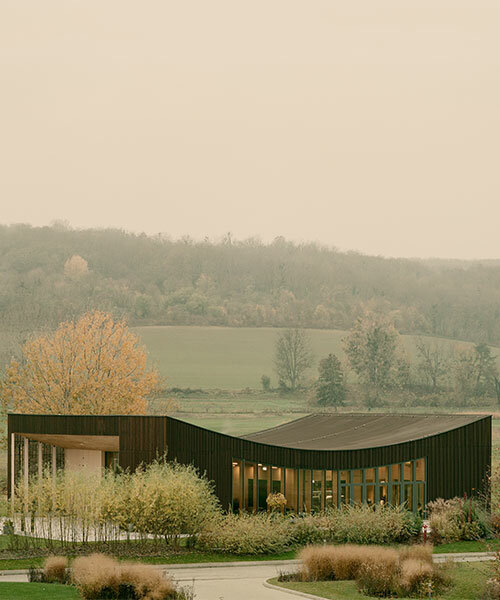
(422, 552)
(492, 590)
(168, 499)
(162, 499)
(309, 529)
(95, 576)
(418, 575)
(369, 525)
(99, 576)
(378, 571)
(247, 534)
(55, 569)
(458, 519)
(377, 579)
(343, 562)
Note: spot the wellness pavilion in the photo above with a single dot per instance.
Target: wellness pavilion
(318, 461)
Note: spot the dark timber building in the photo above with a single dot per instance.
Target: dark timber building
(317, 462)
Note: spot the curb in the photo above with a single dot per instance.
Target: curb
(245, 563)
(288, 591)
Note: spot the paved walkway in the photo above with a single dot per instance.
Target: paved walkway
(241, 581)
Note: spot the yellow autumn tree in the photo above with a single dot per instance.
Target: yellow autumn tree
(95, 365)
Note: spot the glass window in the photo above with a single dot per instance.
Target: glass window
(420, 470)
(409, 496)
(237, 488)
(277, 483)
(357, 476)
(263, 486)
(370, 495)
(396, 472)
(318, 490)
(420, 497)
(291, 489)
(369, 475)
(331, 489)
(383, 474)
(396, 494)
(305, 490)
(250, 486)
(309, 490)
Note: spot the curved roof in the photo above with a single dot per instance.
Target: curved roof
(356, 431)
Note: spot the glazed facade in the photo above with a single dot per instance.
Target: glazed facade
(314, 490)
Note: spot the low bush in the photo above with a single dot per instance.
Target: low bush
(98, 576)
(378, 571)
(372, 525)
(343, 562)
(492, 591)
(55, 569)
(247, 534)
(458, 519)
(378, 578)
(418, 577)
(309, 529)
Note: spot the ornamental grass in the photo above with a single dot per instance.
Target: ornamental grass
(378, 571)
(99, 576)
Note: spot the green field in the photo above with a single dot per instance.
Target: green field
(232, 358)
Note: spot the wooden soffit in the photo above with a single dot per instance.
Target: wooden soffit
(105, 443)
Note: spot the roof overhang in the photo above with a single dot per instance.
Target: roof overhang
(105, 443)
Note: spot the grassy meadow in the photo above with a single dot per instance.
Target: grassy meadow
(235, 358)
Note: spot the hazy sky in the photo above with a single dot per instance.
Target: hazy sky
(366, 124)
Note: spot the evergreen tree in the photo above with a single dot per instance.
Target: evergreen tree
(330, 387)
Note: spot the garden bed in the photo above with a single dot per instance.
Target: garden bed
(468, 580)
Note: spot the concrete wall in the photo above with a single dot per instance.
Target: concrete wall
(92, 460)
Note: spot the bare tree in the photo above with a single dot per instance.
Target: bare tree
(434, 365)
(293, 356)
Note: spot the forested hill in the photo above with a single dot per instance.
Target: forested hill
(154, 280)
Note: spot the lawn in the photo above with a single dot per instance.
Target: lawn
(37, 591)
(163, 558)
(468, 581)
(231, 357)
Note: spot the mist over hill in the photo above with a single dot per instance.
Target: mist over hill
(157, 280)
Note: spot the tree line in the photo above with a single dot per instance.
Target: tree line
(459, 376)
(52, 274)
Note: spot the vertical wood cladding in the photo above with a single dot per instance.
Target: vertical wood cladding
(458, 461)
